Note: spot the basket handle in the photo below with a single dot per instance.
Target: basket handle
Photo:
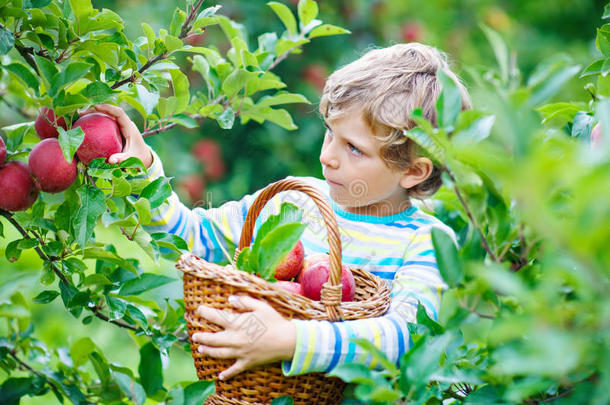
(331, 290)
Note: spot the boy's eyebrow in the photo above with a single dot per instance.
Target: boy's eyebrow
(358, 145)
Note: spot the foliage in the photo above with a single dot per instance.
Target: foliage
(525, 318)
(67, 55)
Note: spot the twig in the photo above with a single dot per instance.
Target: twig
(31, 369)
(471, 217)
(22, 111)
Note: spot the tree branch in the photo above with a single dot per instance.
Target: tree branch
(23, 112)
(31, 369)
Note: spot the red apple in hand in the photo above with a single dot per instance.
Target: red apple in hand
(46, 122)
(18, 191)
(2, 151)
(290, 286)
(313, 277)
(291, 264)
(102, 137)
(49, 167)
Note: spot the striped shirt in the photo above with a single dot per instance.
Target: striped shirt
(397, 248)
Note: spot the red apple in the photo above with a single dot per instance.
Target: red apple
(411, 31)
(18, 189)
(2, 151)
(193, 186)
(102, 137)
(290, 286)
(315, 258)
(49, 167)
(596, 137)
(315, 75)
(46, 123)
(209, 153)
(291, 264)
(312, 278)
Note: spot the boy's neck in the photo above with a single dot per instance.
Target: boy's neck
(379, 209)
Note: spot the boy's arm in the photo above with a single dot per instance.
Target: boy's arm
(323, 345)
(207, 232)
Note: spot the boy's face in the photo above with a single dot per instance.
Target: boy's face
(358, 179)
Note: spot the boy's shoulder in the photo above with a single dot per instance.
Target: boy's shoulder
(426, 222)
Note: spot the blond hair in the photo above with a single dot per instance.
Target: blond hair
(388, 84)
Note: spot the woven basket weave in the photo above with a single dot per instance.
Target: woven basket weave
(210, 284)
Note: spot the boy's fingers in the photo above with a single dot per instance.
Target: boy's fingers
(222, 339)
(118, 158)
(218, 317)
(247, 302)
(236, 368)
(217, 352)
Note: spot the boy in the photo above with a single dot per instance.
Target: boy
(372, 171)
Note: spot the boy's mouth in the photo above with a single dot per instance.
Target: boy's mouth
(332, 183)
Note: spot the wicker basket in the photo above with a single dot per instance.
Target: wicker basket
(210, 284)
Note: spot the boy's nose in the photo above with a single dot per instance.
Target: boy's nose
(327, 158)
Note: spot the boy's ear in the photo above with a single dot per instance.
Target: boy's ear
(419, 171)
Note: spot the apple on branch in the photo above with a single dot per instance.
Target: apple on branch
(49, 167)
(18, 189)
(102, 137)
(46, 123)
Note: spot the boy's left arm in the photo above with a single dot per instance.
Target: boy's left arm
(323, 345)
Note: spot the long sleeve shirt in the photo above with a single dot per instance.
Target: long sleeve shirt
(397, 248)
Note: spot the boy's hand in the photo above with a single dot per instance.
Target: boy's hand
(252, 338)
(134, 142)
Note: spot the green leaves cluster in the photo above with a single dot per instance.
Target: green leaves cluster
(275, 238)
(522, 320)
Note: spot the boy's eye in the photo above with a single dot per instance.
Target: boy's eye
(354, 149)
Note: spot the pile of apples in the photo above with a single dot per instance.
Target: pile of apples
(311, 273)
(47, 169)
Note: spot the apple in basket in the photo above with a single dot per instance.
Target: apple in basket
(313, 276)
(291, 264)
(290, 286)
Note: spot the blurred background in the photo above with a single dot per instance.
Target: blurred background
(211, 165)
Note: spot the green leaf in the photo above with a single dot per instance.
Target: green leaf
(284, 400)
(548, 78)
(46, 68)
(81, 9)
(7, 41)
(170, 241)
(500, 50)
(422, 318)
(92, 206)
(116, 307)
(150, 34)
(80, 351)
(70, 141)
(280, 117)
(376, 354)
(157, 192)
(142, 206)
(447, 257)
(15, 133)
(120, 187)
(196, 393)
(146, 281)
(12, 389)
(284, 13)
(178, 19)
(326, 30)
(353, 373)
(606, 12)
(281, 98)
(69, 75)
(226, 119)
(150, 369)
(582, 125)
(599, 67)
(478, 130)
(559, 113)
(307, 10)
(98, 92)
(45, 297)
(23, 73)
(36, 3)
(275, 246)
(132, 389)
(237, 80)
(449, 103)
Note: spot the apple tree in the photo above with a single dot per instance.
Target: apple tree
(60, 57)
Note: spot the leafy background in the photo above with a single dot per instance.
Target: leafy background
(247, 157)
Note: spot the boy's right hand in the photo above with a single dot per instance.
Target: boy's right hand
(134, 142)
